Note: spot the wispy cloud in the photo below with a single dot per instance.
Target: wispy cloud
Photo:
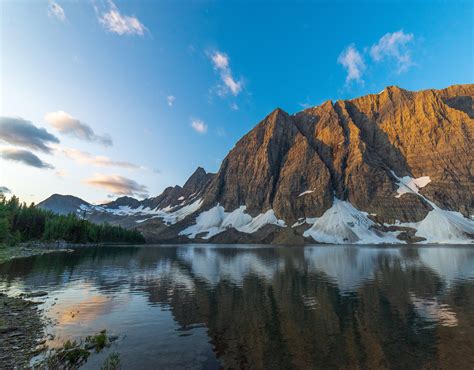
(305, 105)
(83, 157)
(220, 60)
(68, 125)
(220, 131)
(353, 63)
(18, 131)
(116, 22)
(198, 125)
(56, 11)
(118, 185)
(170, 100)
(394, 46)
(221, 63)
(23, 156)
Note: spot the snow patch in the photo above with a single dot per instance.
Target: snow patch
(345, 224)
(307, 220)
(167, 214)
(216, 220)
(305, 192)
(300, 222)
(408, 184)
(171, 218)
(267, 218)
(439, 225)
(120, 211)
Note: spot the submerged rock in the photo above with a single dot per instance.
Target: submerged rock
(37, 294)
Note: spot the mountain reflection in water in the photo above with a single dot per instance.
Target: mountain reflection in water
(205, 306)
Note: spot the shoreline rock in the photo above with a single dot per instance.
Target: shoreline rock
(10, 253)
(21, 331)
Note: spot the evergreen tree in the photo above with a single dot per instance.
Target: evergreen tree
(20, 222)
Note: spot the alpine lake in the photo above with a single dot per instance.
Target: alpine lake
(260, 307)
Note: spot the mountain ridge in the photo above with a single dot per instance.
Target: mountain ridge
(348, 156)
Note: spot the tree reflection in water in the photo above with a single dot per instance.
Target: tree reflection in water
(277, 307)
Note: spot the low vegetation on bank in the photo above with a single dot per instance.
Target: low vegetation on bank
(20, 222)
(74, 354)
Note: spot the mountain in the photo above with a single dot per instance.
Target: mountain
(383, 168)
(63, 204)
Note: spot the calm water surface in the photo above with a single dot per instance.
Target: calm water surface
(198, 306)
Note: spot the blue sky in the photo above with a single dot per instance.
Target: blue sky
(138, 94)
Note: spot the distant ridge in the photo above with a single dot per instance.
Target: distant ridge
(62, 204)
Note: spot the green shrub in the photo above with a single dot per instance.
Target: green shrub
(112, 362)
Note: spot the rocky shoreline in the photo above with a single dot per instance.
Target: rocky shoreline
(29, 249)
(21, 331)
(21, 324)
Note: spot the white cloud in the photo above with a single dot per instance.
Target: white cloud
(221, 63)
(115, 22)
(220, 60)
(234, 86)
(117, 184)
(95, 160)
(353, 63)
(234, 106)
(198, 125)
(170, 100)
(394, 45)
(68, 125)
(56, 10)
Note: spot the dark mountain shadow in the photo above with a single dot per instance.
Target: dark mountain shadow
(462, 103)
(378, 143)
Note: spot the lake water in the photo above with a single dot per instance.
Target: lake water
(207, 306)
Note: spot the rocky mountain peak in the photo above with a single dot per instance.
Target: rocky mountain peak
(195, 181)
(394, 165)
